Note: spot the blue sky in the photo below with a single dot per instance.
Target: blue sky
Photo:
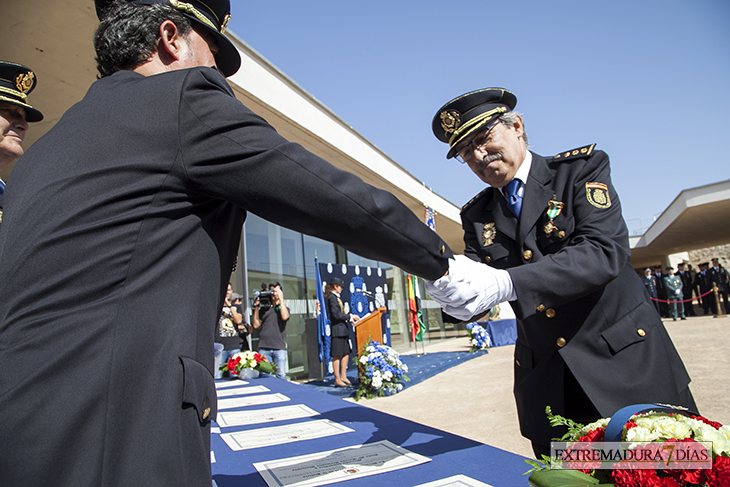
(647, 80)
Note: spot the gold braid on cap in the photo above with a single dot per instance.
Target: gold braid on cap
(10, 92)
(14, 101)
(187, 8)
(468, 127)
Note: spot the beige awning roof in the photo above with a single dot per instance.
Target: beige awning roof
(696, 219)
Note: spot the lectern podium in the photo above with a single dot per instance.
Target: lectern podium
(369, 328)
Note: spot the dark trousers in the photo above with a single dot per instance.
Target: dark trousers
(688, 308)
(578, 407)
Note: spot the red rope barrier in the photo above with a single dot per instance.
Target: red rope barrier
(683, 301)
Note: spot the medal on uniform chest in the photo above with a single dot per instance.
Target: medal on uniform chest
(488, 234)
(554, 209)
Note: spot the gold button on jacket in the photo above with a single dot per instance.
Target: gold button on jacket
(641, 332)
(540, 308)
(561, 342)
(550, 313)
(527, 254)
(206, 412)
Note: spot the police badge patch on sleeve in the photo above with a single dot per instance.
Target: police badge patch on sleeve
(597, 195)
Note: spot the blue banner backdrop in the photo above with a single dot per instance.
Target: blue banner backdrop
(365, 290)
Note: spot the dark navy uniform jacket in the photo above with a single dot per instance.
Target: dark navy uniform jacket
(579, 302)
(119, 232)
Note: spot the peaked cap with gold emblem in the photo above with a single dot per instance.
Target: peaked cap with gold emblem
(468, 113)
(16, 81)
(211, 14)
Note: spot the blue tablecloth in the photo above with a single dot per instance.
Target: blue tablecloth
(502, 332)
(450, 454)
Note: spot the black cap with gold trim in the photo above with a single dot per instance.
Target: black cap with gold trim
(211, 14)
(16, 81)
(469, 112)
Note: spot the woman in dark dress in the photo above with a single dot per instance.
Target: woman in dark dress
(340, 330)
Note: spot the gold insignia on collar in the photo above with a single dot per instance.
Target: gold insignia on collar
(488, 234)
(554, 209)
(597, 195)
(24, 82)
(450, 121)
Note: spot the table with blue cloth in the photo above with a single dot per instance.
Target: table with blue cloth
(502, 332)
(450, 454)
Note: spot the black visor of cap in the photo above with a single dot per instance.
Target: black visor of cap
(458, 118)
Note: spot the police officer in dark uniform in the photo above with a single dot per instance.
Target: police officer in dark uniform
(661, 291)
(719, 276)
(650, 284)
(137, 194)
(547, 235)
(703, 281)
(16, 82)
(687, 285)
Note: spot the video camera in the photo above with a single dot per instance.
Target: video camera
(265, 297)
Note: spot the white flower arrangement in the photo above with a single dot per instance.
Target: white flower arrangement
(478, 337)
(380, 370)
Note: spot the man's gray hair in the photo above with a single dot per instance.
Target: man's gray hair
(509, 119)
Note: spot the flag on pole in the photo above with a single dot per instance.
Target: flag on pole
(413, 311)
(324, 342)
(430, 218)
(419, 312)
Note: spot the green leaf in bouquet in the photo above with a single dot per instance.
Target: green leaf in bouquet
(265, 367)
(557, 420)
(563, 478)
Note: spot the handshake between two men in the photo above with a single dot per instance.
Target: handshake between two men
(470, 288)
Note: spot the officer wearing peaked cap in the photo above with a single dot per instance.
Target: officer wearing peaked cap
(155, 170)
(16, 82)
(555, 245)
(212, 15)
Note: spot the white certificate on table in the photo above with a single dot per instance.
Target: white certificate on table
(237, 402)
(239, 391)
(333, 466)
(455, 481)
(279, 435)
(232, 383)
(257, 416)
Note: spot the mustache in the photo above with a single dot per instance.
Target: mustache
(489, 158)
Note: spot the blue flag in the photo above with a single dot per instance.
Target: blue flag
(323, 323)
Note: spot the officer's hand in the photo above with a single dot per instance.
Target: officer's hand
(470, 288)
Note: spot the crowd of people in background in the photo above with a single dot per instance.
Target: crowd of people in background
(673, 293)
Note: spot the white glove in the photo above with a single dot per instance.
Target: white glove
(470, 288)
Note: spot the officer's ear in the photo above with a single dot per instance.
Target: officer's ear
(518, 125)
(171, 45)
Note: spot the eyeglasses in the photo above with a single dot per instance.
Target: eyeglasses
(466, 153)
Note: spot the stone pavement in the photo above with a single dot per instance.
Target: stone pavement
(474, 399)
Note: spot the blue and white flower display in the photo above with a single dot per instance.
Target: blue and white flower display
(478, 337)
(380, 371)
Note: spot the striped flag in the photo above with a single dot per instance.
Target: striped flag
(415, 316)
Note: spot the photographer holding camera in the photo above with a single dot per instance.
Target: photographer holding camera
(271, 314)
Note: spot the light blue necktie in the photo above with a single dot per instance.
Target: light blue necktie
(514, 200)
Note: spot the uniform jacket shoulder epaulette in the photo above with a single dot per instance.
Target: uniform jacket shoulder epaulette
(579, 153)
(476, 198)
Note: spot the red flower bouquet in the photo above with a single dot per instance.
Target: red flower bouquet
(248, 360)
(663, 430)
